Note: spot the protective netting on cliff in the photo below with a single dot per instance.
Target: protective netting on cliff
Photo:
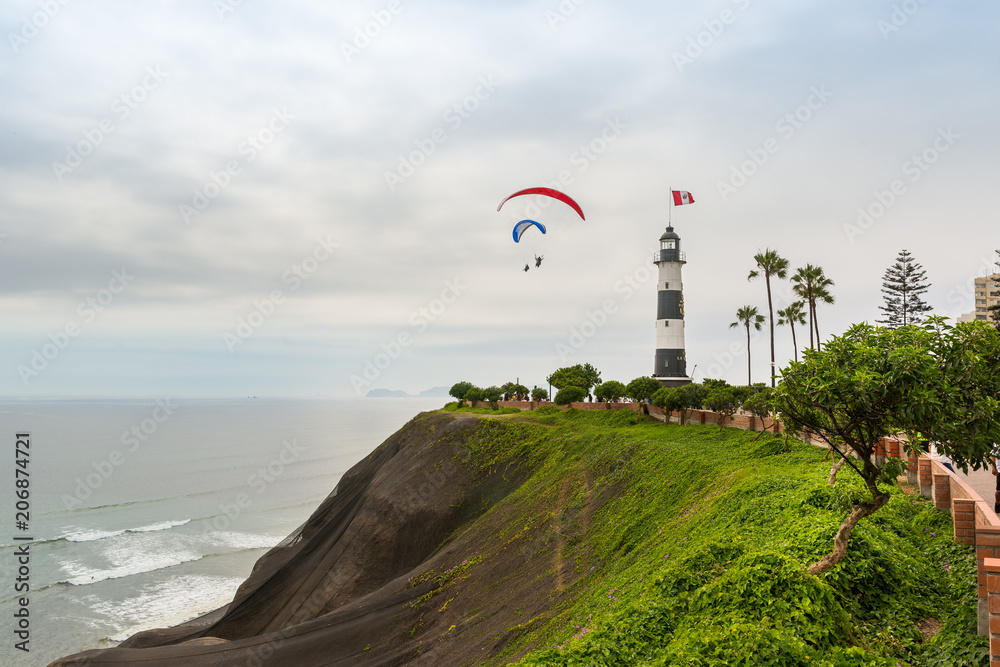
(341, 577)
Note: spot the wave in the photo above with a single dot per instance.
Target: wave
(94, 535)
(85, 577)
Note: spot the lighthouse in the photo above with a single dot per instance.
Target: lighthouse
(670, 367)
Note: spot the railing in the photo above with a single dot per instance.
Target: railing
(656, 256)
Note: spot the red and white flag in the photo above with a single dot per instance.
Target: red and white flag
(682, 197)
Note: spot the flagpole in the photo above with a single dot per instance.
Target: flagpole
(670, 205)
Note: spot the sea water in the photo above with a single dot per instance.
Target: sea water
(146, 514)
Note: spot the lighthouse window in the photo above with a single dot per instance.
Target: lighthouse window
(666, 285)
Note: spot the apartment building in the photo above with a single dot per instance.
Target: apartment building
(987, 294)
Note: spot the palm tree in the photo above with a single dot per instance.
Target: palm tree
(809, 283)
(769, 263)
(791, 316)
(748, 316)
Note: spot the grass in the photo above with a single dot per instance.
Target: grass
(687, 545)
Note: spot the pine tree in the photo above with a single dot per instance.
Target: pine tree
(903, 284)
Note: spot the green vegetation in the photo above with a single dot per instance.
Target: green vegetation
(874, 382)
(570, 394)
(688, 546)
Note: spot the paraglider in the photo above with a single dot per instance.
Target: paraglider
(547, 192)
(526, 226)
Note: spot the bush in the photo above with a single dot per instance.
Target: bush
(570, 394)
(610, 391)
(642, 389)
(539, 394)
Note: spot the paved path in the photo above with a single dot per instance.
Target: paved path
(982, 482)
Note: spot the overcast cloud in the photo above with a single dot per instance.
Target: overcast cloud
(170, 168)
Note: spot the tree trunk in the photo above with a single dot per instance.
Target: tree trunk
(818, 344)
(749, 379)
(770, 320)
(795, 346)
(844, 534)
(834, 470)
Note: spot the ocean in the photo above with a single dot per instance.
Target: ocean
(146, 514)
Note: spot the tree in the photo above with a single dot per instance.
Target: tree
(792, 315)
(748, 316)
(610, 391)
(539, 394)
(570, 394)
(671, 399)
(874, 382)
(761, 405)
(492, 394)
(580, 375)
(902, 286)
(642, 389)
(769, 263)
(809, 283)
(474, 394)
(723, 401)
(459, 390)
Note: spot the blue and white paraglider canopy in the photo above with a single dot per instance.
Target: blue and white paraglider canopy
(523, 226)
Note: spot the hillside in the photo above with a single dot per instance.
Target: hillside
(589, 538)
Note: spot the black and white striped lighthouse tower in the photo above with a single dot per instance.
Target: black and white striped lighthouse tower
(671, 363)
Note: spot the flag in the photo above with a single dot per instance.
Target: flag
(682, 197)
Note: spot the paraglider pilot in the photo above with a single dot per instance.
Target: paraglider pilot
(538, 260)
(526, 267)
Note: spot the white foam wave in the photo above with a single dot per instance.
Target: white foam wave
(243, 540)
(85, 535)
(166, 603)
(82, 576)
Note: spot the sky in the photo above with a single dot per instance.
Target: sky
(225, 198)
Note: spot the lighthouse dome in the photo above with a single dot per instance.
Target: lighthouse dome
(669, 234)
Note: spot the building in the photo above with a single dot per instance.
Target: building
(987, 295)
(670, 365)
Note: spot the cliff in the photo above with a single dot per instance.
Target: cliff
(582, 538)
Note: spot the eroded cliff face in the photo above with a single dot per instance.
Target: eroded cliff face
(399, 565)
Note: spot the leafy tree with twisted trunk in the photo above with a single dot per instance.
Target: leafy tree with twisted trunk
(903, 285)
(769, 263)
(748, 316)
(874, 382)
(792, 315)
